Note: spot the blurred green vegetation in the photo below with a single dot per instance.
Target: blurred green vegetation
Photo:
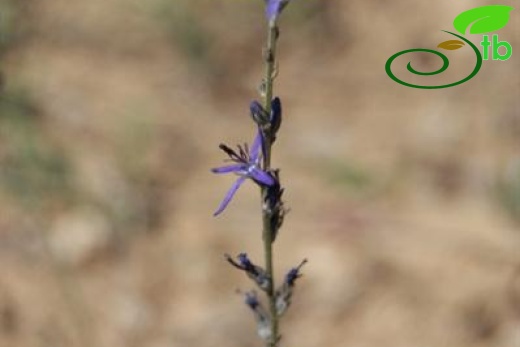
(351, 178)
(7, 23)
(32, 169)
(508, 192)
(13, 27)
(184, 28)
(212, 50)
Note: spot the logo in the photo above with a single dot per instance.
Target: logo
(480, 20)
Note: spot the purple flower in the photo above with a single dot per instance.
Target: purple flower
(274, 8)
(246, 165)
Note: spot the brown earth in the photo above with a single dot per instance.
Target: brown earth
(406, 202)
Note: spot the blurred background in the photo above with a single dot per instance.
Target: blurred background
(406, 202)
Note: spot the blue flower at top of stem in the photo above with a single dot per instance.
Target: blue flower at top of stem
(273, 8)
(246, 164)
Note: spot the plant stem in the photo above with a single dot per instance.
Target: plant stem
(266, 213)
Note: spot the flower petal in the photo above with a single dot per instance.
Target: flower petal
(254, 151)
(228, 168)
(229, 195)
(273, 9)
(261, 177)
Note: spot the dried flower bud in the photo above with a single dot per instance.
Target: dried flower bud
(255, 272)
(275, 206)
(284, 293)
(263, 322)
(263, 329)
(294, 274)
(252, 300)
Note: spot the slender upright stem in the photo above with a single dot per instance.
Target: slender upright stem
(270, 53)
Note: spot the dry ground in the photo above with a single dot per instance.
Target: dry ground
(406, 202)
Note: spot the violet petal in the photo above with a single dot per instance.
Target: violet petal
(229, 195)
(273, 9)
(254, 151)
(261, 177)
(228, 168)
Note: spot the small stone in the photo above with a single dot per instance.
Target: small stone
(77, 236)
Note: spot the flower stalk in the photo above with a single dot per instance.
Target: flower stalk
(268, 232)
(253, 163)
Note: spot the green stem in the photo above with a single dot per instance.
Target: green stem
(270, 54)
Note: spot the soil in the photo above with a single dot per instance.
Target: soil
(405, 201)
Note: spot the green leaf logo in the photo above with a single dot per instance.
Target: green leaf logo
(485, 19)
(451, 45)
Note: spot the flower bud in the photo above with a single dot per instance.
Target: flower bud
(259, 114)
(276, 116)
